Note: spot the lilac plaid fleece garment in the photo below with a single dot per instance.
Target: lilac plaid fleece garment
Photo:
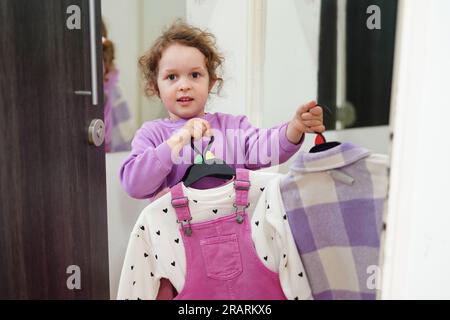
(119, 129)
(337, 225)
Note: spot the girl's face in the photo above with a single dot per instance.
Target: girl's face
(183, 81)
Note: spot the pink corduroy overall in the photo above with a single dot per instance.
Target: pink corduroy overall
(221, 261)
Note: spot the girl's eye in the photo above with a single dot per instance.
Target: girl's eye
(195, 75)
(171, 77)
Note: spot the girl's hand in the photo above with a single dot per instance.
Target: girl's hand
(308, 118)
(195, 127)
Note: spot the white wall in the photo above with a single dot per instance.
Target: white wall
(155, 16)
(133, 25)
(417, 254)
(121, 21)
(227, 20)
(291, 58)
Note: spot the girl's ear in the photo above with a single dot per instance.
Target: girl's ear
(154, 87)
(211, 85)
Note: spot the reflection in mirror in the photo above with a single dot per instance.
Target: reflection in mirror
(118, 126)
(365, 54)
(299, 50)
(132, 26)
(343, 54)
(331, 50)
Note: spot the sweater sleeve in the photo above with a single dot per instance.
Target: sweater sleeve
(145, 170)
(140, 278)
(274, 240)
(266, 147)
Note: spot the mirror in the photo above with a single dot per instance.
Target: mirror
(278, 54)
(343, 54)
(131, 28)
(353, 80)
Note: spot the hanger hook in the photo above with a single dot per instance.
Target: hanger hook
(207, 148)
(319, 134)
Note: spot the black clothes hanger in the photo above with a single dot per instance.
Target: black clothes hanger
(320, 143)
(213, 167)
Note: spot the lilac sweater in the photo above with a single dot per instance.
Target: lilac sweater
(151, 167)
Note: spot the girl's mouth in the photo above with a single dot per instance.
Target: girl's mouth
(184, 101)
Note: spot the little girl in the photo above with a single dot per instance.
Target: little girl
(118, 127)
(181, 68)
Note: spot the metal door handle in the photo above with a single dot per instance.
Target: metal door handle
(96, 132)
(92, 31)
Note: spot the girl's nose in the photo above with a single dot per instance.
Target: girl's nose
(184, 85)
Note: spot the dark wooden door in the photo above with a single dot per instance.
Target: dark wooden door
(53, 222)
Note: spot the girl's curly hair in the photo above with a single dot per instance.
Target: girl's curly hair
(108, 52)
(184, 34)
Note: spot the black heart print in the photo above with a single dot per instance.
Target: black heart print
(177, 240)
(151, 274)
(165, 210)
(134, 282)
(132, 267)
(173, 263)
(284, 255)
(257, 223)
(158, 233)
(215, 210)
(142, 228)
(284, 217)
(265, 258)
(145, 255)
(262, 189)
(268, 207)
(156, 256)
(195, 201)
(300, 274)
(296, 298)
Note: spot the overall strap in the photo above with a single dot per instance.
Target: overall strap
(241, 186)
(180, 203)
